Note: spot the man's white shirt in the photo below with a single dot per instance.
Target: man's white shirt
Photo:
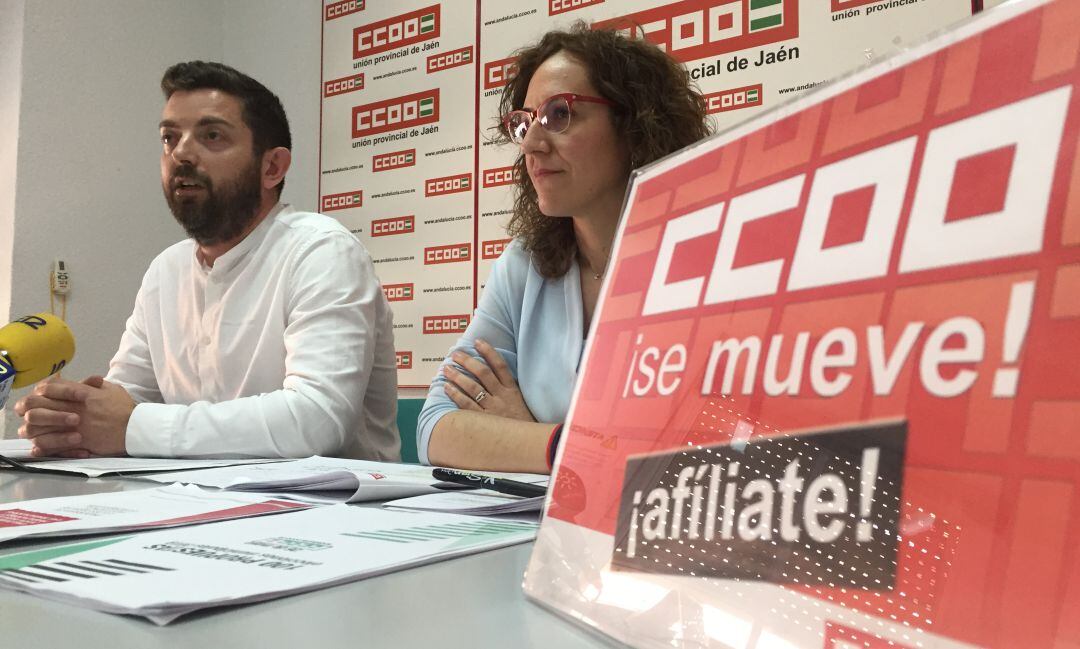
(283, 349)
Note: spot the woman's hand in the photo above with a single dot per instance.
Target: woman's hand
(495, 391)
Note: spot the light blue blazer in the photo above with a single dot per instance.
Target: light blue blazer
(537, 325)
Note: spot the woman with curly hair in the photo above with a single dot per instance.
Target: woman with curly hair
(585, 107)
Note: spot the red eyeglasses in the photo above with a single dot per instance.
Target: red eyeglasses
(553, 114)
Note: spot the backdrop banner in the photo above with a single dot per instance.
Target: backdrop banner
(410, 94)
(830, 397)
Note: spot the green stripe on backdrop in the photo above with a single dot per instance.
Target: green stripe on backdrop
(762, 23)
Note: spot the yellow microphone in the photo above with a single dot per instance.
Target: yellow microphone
(31, 348)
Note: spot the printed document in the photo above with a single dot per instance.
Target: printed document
(165, 574)
(116, 511)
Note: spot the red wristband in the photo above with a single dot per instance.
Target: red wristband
(553, 445)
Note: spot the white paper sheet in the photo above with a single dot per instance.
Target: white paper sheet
(16, 449)
(93, 467)
(356, 480)
(163, 575)
(477, 503)
(170, 506)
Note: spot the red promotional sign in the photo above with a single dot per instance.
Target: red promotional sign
(838, 636)
(698, 29)
(903, 247)
(404, 360)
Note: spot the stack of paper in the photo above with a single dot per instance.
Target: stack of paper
(356, 480)
(163, 575)
(18, 449)
(476, 503)
(94, 467)
(117, 511)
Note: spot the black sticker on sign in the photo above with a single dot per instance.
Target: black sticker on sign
(818, 509)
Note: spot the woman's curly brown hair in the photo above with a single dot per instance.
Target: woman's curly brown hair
(655, 109)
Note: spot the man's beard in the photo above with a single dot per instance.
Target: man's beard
(223, 213)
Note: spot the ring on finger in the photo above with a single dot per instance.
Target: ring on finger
(480, 396)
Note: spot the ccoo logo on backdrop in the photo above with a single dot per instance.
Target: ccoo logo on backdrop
(492, 249)
(733, 99)
(451, 59)
(562, 6)
(343, 85)
(395, 114)
(393, 160)
(395, 225)
(448, 254)
(497, 73)
(697, 29)
(398, 292)
(399, 31)
(343, 201)
(448, 185)
(499, 176)
(844, 5)
(343, 8)
(446, 324)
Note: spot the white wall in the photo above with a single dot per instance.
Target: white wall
(11, 21)
(278, 43)
(87, 181)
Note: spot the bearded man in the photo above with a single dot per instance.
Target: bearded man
(265, 334)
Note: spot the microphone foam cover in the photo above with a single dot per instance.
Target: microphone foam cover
(37, 346)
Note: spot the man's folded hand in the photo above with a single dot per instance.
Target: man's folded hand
(70, 419)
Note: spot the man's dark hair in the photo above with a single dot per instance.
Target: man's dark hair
(262, 110)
